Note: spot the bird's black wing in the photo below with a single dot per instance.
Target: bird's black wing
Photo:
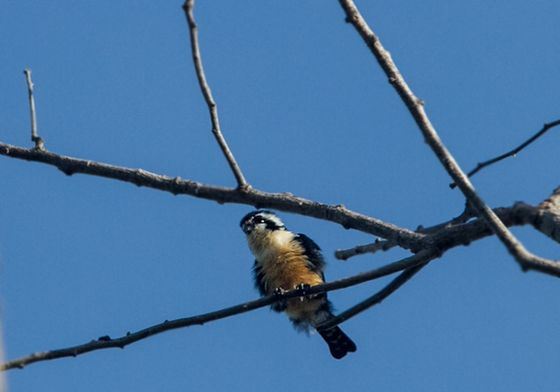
(313, 253)
(259, 278)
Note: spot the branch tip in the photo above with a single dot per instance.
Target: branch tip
(35, 138)
(512, 153)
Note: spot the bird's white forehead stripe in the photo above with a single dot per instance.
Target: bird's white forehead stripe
(273, 218)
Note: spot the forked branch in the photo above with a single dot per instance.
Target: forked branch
(525, 259)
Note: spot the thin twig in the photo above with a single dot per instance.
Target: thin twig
(377, 245)
(178, 186)
(106, 342)
(525, 259)
(207, 93)
(467, 214)
(35, 138)
(424, 257)
(385, 245)
(514, 152)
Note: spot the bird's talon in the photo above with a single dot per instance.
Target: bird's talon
(281, 304)
(279, 291)
(304, 287)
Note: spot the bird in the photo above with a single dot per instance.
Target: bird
(285, 261)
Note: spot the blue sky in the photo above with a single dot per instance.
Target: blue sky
(306, 109)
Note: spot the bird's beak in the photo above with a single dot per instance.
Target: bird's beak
(247, 227)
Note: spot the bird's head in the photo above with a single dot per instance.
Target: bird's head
(261, 221)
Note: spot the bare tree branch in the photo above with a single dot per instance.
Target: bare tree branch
(105, 342)
(424, 257)
(429, 243)
(463, 217)
(377, 245)
(415, 106)
(512, 153)
(385, 245)
(280, 201)
(446, 237)
(207, 93)
(35, 138)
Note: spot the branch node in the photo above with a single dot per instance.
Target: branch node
(39, 143)
(66, 169)
(244, 189)
(175, 188)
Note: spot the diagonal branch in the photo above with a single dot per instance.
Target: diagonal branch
(511, 153)
(444, 238)
(280, 201)
(106, 342)
(424, 257)
(207, 93)
(525, 259)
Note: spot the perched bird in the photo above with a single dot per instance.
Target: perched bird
(287, 261)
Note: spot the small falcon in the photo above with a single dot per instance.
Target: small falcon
(287, 261)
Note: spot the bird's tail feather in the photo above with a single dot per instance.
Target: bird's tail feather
(339, 343)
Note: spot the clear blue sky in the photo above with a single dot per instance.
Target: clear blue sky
(305, 109)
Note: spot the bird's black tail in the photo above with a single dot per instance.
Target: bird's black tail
(339, 343)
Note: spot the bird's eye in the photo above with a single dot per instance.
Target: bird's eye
(259, 219)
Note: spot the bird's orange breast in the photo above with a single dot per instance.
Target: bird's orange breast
(285, 265)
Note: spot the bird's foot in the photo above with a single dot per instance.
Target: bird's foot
(279, 291)
(282, 304)
(304, 287)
